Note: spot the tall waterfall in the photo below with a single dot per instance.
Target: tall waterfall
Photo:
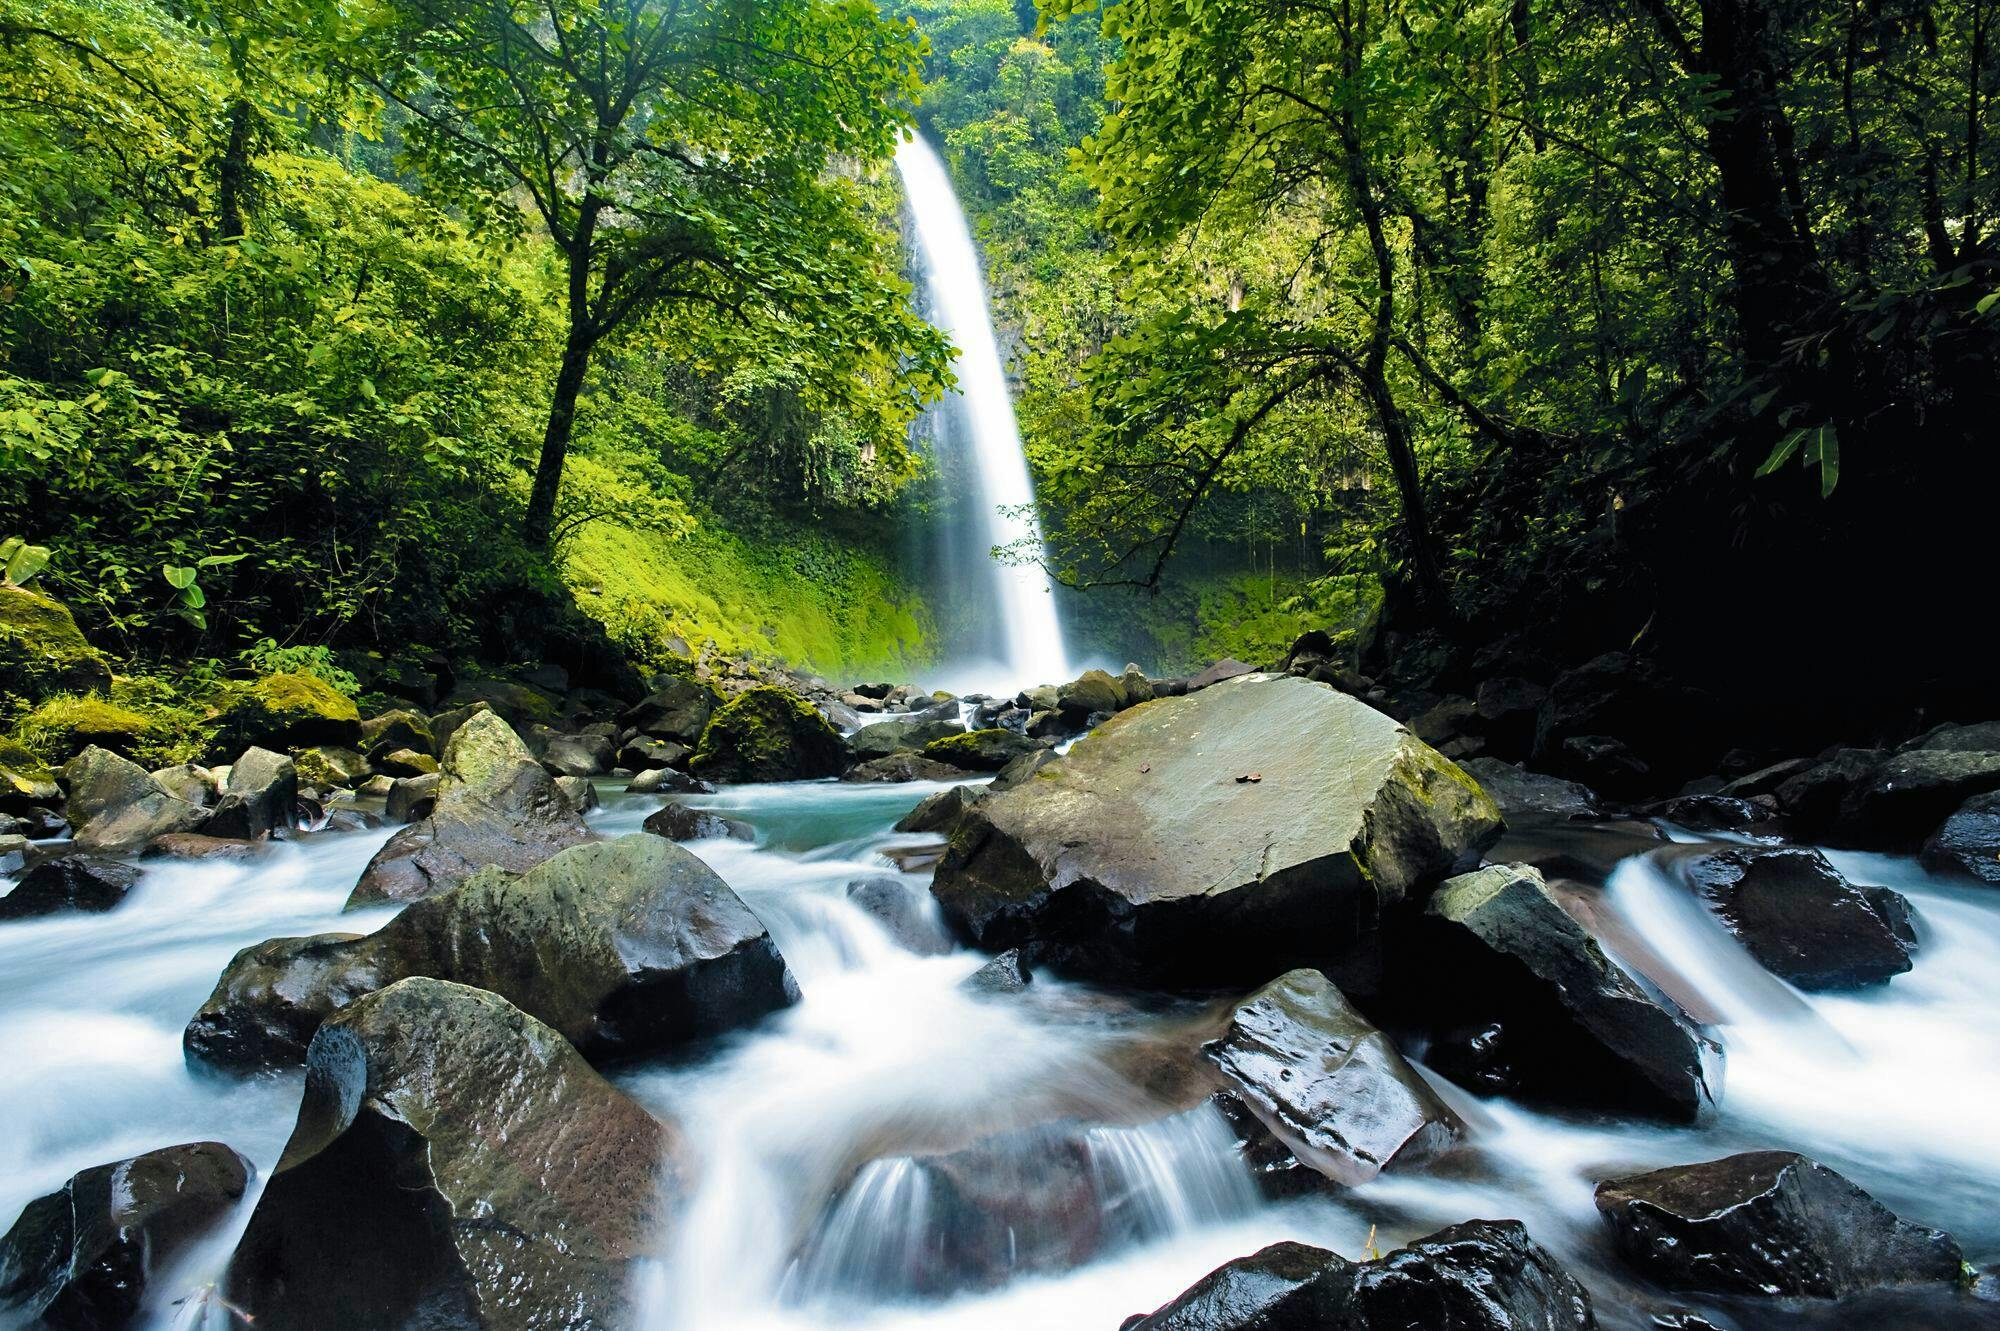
(1028, 647)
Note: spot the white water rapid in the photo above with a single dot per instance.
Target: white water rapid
(1026, 640)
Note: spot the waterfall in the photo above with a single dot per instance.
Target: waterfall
(1019, 601)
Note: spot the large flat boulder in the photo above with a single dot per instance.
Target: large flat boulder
(1328, 1084)
(1561, 1020)
(81, 1257)
(456, 1166)
(625, 947)
(1215, 838)
(496, 806)
(116, 806)
(1797, 916)
(1768, 1223)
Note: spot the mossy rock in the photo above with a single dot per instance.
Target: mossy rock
(282, 711)
(24, 781)
(329, 766)
(981, 750)
(768, 734)
(42, 652)
(63, 727)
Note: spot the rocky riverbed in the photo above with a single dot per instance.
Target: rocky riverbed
(1212, 1004)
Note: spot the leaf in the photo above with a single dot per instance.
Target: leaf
(1779, 454)
(1826, 450)
(178, 576)
(193, 597)
(25, 562)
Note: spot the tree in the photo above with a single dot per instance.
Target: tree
(676, 152)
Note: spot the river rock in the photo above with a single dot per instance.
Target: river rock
(258, 797)
(981, 750)
(1969, 842)
(89, 883)
(643, 753)
(1023, 767)
(668, 781)
(190, 782)
(1797, 916)
(1517, 790)
(495, 806)
(1092, 693)
(1719, 813)
(1007, 973)
(899, 767)
(1574, 1028)
(678, 710)
(412, 797)
(903, 912)
(1903, 799)
(24, 782)
(625, 947)
(116, 806)
(580, 791)
(394, 731)
(200, 846)
(768, 734)
(1285, 1287)
(579, 755)
(1263, 822)
(82, 1256)
(1768, 1223)
(677, 822)
(1329, 1085)
(887, 737)
(456, 1166)
(1227, 668)
(941, 812)
(1483, 1275)
(13, 850)
(287, 710)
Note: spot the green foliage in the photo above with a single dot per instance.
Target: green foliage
(268, 657)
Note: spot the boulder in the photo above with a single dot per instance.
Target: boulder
(24, 782)
(941, 812)
(1006, 974)
(198, 846)
(257, 799)
(887, 737)
(1092, 693)
(1134, 685)
(1327, 1084)
(1812, 798)
(580, 791)
(1903, 799)
(404, 762)
(1768, 1224)
(495, 806)
(1508, 708)
(1517, 790)
(1718, 813)
(283, 711)
(1285, 1287)
(1606, 762)
(116, 806)
(13, 852)
(186, 781)
(1264, 822)
(1978, 737)
(394, 731)
(42, 652)
(520, 705)
(82, 1256)
(902, 911)
(678, 710)
(1571, 1026)
(677, 822)
(1766, 780)
(1797, 916)
(456, 1166)
(1969, 842)
(1022, 768)
(1483, 1275)
(768, 734)
(1447, 721)
(898, 767)
(445, 724)
(625, 947)
(579, 755)
(981, 750)
(643, 753)
(69, 883)
(667, 781)
(412, 797)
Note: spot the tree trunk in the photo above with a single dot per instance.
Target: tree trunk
(555, 438)
(233, 171)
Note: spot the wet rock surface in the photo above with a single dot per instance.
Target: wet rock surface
(1328, 1084)
(116, 806)
(70, 883)
(81, 1258)
(1260, 823)
(1768, 1223)
(677, 822)
(455, 1165)
(1285, 1287)
(1798, 917)
(1969, 842)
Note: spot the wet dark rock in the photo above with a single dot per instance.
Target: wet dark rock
(87, 883)
(768, 734)
(1606, 762)
(1718, 813)
(1006, 974)
(1094, 692)
(13, 852)
(81, 1257)
(941, 812)
(1483, 1275)
(668, 781)
(1797, 916)
(981, 750)
(1142, 855)
(394, 731)
(643, 753)
(626, 947)
(456, 1166)
(1517, 790)
(1906, 797)
(258, 797)
(495, 806)
(1567, 848)
(412, 797)
(1274, 1166)
(579, 755)
(1978, 737)
(678, 710)
(1448, 720)
(1969, 842)
(1767, 779)
(116, 806)
(201, 846)
(1654, 722)
(1551, 1015)
(898, 767)
(1508, 708)
(1812, 799)
(904, 912)
(677, 822)
(888, 737)
(1768, 1223)
(1328, 1084)
(1285, 1287)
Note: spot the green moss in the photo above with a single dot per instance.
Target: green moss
(42, 652)
(62, 727)
(283, 711)
(801, 595)
(1201, 616)
(24, 780)
(768, 734)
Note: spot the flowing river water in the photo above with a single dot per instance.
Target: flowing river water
(1093, 1191)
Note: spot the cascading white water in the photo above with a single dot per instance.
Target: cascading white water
(1032, 644)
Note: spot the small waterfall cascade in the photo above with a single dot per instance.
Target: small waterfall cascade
(1027, 644)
